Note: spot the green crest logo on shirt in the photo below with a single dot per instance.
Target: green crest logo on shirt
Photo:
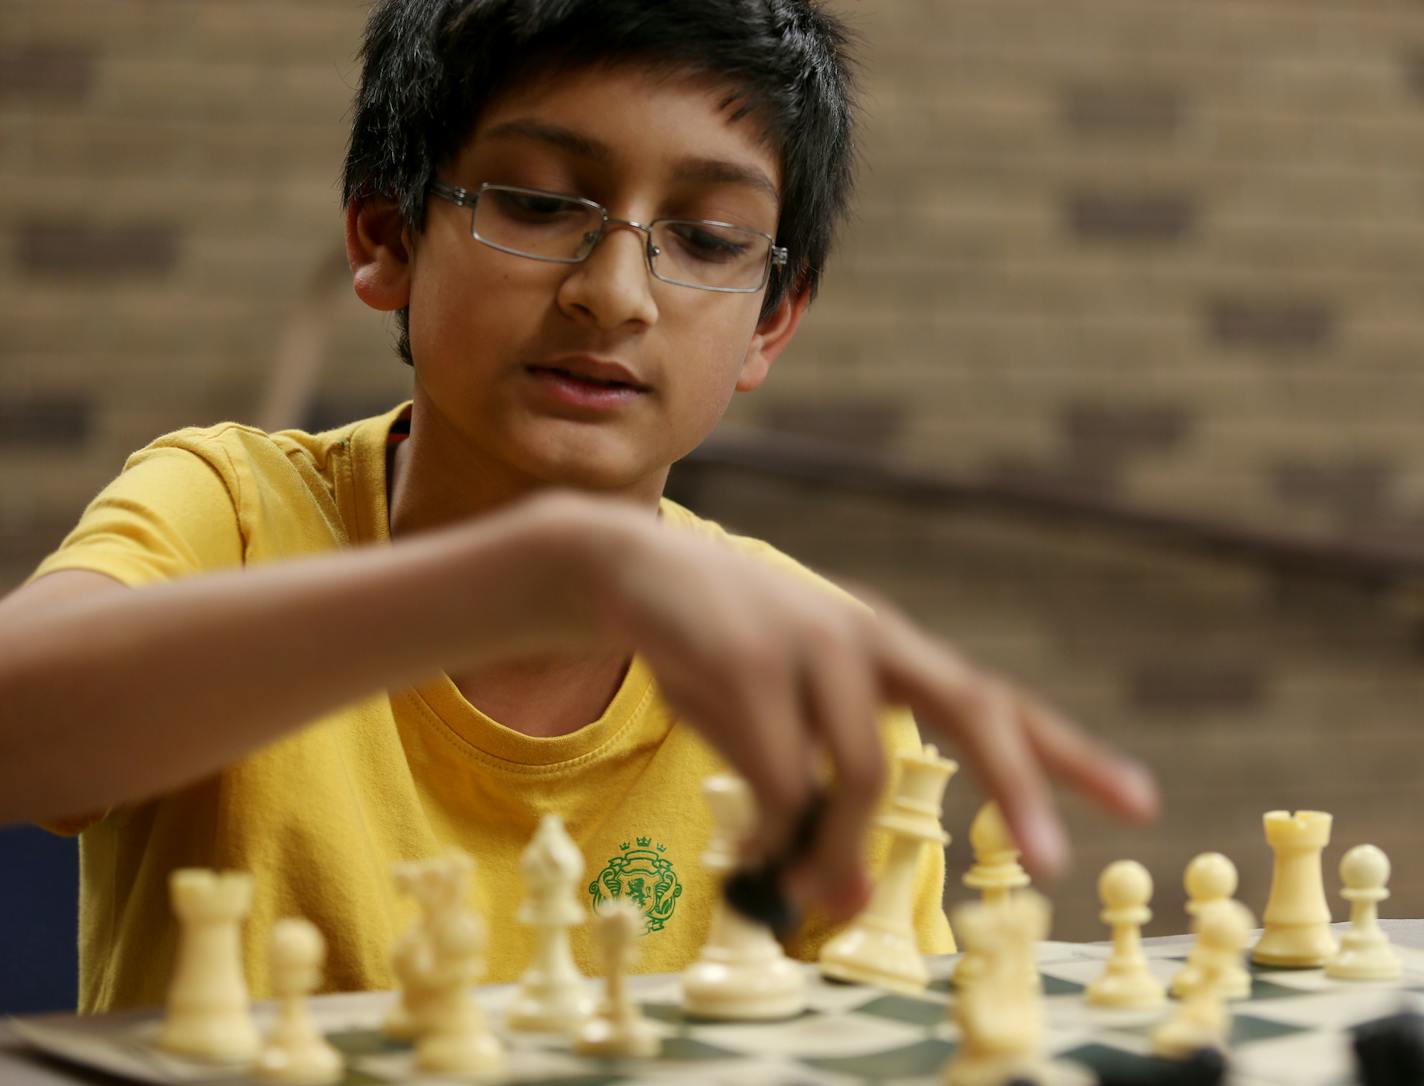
(644, 876)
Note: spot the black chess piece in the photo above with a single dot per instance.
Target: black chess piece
(755, 892)
(1204, 1067)
(1390, 1051)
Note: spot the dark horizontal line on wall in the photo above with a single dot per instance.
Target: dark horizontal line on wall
(825, 464)
(1283, 325)
(1130, 217)
(1195, 686)
(46, 72)
(1123, 110)
(45, 421)
(85, 250)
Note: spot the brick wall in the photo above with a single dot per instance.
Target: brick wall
(1163, 253)
(1246, 690)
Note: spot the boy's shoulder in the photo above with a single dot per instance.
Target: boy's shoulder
(759, 549)
(344, 465)
(229, 442)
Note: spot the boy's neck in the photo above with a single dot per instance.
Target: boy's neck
(546, 697)
(430, 486)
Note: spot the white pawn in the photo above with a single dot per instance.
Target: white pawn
(551, 994)
(1365, 953)
(208, 1013)
(617, 1027)
(741, 972)
(1202, 1019)
(1210, 878)
(296, 1054)
(1125, 888)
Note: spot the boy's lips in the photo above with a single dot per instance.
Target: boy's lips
(590, 369)
(585, 382)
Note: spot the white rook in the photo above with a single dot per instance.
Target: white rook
(208, 1012)
(1297, 928)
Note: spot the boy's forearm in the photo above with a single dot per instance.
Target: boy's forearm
(122, 694)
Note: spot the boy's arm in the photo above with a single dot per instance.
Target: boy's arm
(109, 695)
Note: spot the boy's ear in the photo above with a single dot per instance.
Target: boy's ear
(378, 251)
(773, 333)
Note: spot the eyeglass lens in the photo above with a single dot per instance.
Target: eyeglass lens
(556, 228)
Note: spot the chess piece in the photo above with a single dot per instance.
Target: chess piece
(1390, 1051)
(437, 963)
(410, 952)
(741, 972)
(1125, 888)
(1000, 1016)
(1365, 953)
(1297, 931)
(1210, 877)
(617, 1027)
(295, 1053)
(551, 993)
(879, 946)
(996, 873)
(208, 1015)
(1202, 1019)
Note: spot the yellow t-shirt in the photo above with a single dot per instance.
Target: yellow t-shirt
(320, 816)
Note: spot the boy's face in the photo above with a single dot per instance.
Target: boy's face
(502, 343)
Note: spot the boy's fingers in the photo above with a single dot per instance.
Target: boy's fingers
(774, 755)
(1117, 782)
(992, 735)
(984, 717)
(842, 699)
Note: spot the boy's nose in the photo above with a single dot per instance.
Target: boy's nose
(612, 286)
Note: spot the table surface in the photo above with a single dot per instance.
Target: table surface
(21, 1066)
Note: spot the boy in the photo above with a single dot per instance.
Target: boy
(309, 656)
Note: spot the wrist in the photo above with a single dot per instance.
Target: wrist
(570, 554)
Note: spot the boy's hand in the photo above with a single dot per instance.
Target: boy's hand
(776, 672)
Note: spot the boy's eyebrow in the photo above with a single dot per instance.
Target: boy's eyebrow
(715, 170)
(565, 138)
(719, 170)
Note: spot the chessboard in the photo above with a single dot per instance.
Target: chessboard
(1294, 1030)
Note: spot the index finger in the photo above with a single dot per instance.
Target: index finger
(981, 714)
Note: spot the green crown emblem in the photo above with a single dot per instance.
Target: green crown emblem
(644, 876)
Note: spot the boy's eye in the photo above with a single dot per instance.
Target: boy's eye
(533, 206)
(709, 243)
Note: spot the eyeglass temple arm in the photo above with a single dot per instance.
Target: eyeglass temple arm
(457, 196)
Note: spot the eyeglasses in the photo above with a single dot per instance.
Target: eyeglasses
(699, 253)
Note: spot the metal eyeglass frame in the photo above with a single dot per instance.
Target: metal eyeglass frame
(775, 256)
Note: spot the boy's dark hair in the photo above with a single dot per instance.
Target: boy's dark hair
(429, 67)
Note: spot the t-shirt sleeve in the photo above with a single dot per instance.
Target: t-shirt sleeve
(169, 514)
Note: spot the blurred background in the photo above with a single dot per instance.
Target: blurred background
(1114, 380)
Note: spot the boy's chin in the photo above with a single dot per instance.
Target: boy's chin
(604, 470)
